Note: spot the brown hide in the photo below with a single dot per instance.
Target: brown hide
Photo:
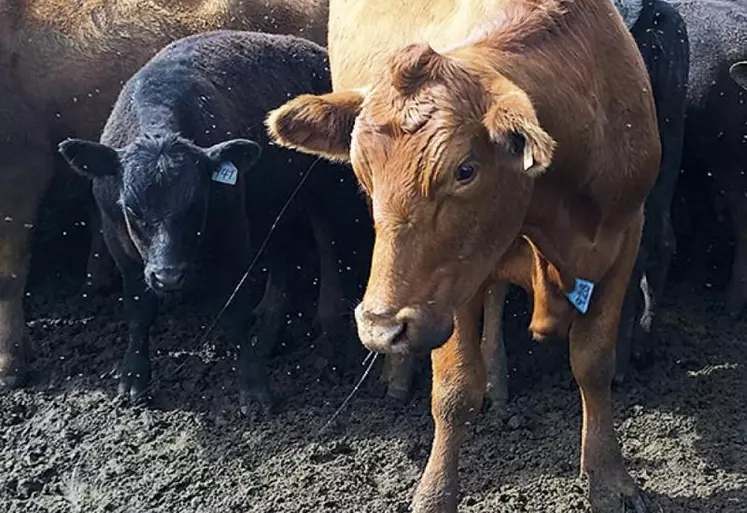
(599, 110)
(66, 61)
(498, 140)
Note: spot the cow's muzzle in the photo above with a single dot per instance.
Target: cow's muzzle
(408, 330)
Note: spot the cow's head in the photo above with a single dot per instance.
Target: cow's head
(738, 72)
(448, 158)
(160, 184)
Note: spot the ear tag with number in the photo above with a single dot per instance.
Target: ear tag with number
(226, 173)
(580, 296)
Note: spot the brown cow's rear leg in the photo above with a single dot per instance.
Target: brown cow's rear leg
(592, 352)
(21, 190)
(458, 390)
(493, 347)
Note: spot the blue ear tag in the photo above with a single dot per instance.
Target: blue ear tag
(580, 296)
(227, 173)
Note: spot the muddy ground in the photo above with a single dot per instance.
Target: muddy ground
(67, 446)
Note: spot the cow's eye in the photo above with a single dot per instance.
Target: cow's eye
(466, 172)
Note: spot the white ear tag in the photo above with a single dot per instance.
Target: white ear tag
(528, 157)
(227, 173)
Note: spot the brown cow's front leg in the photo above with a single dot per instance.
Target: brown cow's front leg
(493, 346)
(21, 191)
(592, 351)
(457, 394)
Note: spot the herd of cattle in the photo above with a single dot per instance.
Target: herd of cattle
(495, 142)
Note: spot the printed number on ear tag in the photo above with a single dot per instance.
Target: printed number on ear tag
(580, 296)
(227, 173)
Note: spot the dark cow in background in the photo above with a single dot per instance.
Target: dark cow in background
(178, 200)
(716, 126)
(662, 39)
(62, 65)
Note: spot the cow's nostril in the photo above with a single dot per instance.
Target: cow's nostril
(390, 334)
(167, 278)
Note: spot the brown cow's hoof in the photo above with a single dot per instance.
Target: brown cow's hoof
(433, 499)
(608, 498)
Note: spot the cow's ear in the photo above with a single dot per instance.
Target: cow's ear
(90, 159)
(511, 122)
(242, 153)
(321, 125)
(738, 72)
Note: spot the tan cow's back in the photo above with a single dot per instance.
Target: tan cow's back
(363, 32)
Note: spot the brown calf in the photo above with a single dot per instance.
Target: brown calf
(522, 151)
(62, 65)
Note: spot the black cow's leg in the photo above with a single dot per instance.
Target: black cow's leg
(254, 386)
(494, 347)
(666, 54)
(141, 307)
(254, 343)
(628, 318)
(737, 291)
(331, 305)
(101, 273)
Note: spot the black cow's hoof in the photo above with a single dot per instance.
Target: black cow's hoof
(634, 504)
(257, 403)
(13, 381)
(399, 395)
(134, 390)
